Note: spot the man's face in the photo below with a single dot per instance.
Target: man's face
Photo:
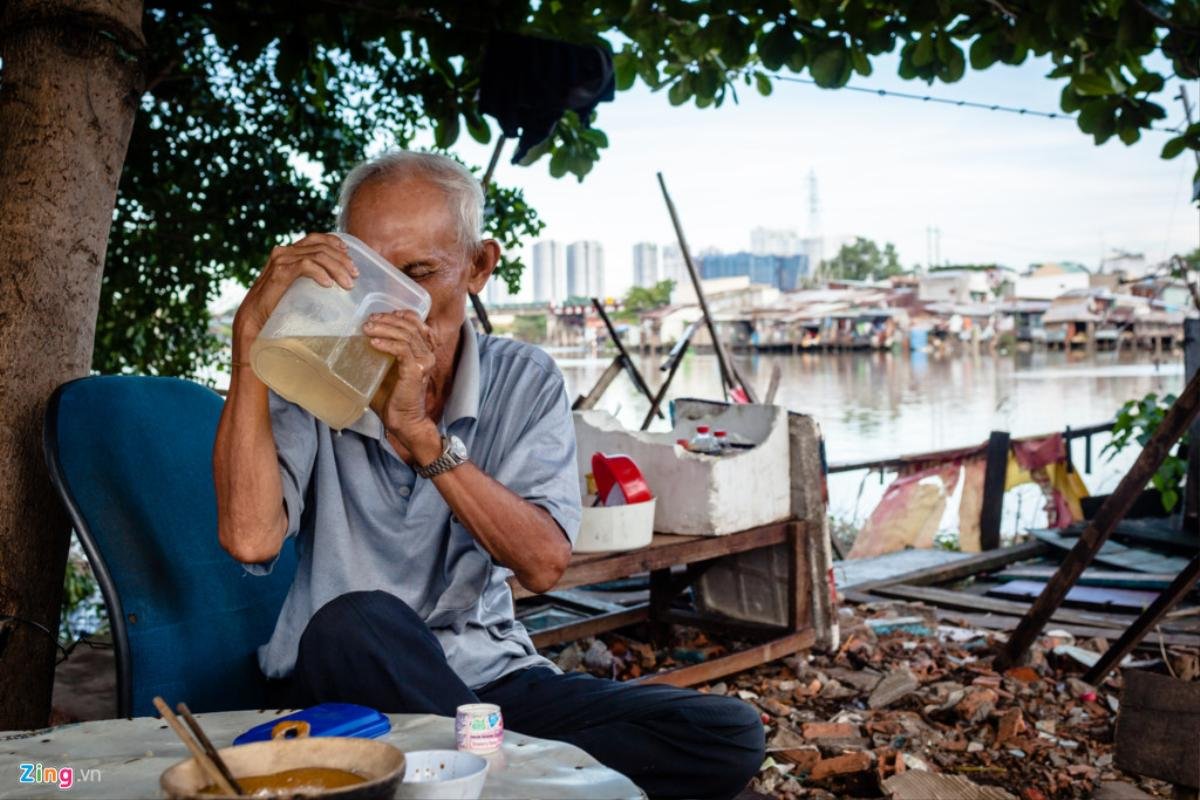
(409, 222)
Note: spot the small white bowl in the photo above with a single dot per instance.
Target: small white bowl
(442, 775)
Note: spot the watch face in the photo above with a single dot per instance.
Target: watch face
(458, 449)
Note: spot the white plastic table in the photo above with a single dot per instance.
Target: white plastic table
(124, 757)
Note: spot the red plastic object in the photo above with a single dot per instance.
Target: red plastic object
(738, 395)
(620, 471)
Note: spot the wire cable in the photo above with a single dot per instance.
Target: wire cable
(946, 101)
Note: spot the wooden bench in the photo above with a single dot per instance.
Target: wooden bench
(697, 553)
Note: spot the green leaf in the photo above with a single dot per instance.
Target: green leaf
(830, 68)
(680, 90)
(776, 46)
(954, 65)
(1089, 84)
(1174, 147)
(764, 84)
(858, 58)
(798, 59)
(922, 54)
(559, 163)
(983, 51)
(624, 69)
(445, 131)
(478, 127)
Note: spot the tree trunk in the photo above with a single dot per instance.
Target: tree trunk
(69, 89)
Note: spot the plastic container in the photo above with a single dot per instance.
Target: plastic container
(703, 441)
(605, 529)
(313, 352)
(327, 719)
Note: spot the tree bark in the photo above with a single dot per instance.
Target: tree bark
(69, 88)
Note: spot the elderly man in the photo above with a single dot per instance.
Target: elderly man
(409, 522)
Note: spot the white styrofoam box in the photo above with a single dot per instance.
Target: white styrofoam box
(608, 528)
(700, 494)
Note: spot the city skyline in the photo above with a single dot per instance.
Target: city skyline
(1000, 188)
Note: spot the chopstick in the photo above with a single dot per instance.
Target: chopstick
(198, 753)
(209, 750)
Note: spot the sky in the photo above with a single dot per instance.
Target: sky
(1001, 187)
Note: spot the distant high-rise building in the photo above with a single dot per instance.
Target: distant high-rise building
(775, 242)
(645, 264)
(673, 268)
(782, 272)
(549, 272)
(585, 270)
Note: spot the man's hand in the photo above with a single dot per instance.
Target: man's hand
(320, 256)
(403, 335)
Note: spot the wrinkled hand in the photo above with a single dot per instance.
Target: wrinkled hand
(403, 335)
(320, 256)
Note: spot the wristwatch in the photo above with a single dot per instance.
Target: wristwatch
(454, 452)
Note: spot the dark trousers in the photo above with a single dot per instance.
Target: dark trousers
(371, 648)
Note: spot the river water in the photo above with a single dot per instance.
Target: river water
(875, 405)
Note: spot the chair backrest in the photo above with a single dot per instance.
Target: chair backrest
(131, 458)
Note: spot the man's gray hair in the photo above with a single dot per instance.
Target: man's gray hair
(462, 189)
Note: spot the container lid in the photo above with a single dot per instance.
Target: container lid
(327, 719)
(384, 277)
(702, 429)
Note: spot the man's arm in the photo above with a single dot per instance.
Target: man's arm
(517, 533)
(252, 520)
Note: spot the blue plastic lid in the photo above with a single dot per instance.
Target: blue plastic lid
(327, 719)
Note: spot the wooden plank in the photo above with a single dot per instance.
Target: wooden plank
(714, 623)
(1158, 728)
(591, 626)
(584, 402)
(1096, 598)
(1091, 577)
(973, 602)
(664, 551)
(1118, 555)
(993, 490)
(1174, 423)
(735, 662)
(1134, 633)
(963, 567)
(1005, 622)
(799, 599)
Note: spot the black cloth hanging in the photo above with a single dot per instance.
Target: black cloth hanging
(528, 83)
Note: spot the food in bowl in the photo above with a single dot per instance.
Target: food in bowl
(302, 780)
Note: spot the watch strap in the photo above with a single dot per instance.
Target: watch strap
(443, 463)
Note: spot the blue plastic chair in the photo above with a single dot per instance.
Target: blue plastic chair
(131, 458)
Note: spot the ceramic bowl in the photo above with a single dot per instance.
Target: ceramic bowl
(442, 775)
(379, 762)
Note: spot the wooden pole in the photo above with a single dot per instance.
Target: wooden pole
(634, 373)
(994, 473)
(584, 402)
(675, 359)
(729, 376)
(1178, 417)
(1128, 640)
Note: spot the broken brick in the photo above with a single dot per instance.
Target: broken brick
(830, 730)
(844, 764)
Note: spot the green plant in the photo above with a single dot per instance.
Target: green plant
(81, 603)
(1137, 421)
(530, 329)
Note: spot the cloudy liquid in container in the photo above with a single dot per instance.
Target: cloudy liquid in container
(325, 375)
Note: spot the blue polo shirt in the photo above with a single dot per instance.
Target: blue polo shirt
(363, 519)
